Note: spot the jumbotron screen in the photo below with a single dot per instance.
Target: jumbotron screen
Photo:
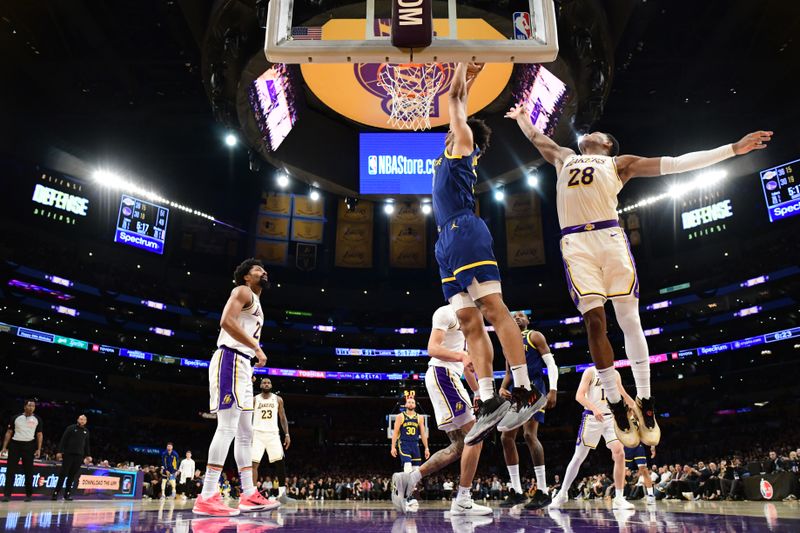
(543, 95)
(141, 224)
(272, 96)
(398, 163)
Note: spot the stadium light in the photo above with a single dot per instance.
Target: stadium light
(283, 180)
(704, 180)
(499, 194)
(426, 209)
(231, 140)
(533, 180)
(388, 207)
(314, 194)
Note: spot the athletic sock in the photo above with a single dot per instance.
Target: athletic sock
(463, 493)
(211, 482)
(485, 388)
(246, 478)
(649, 491)
(516, 482)
(641, 375)
(608, 380)
(619, 493)
(541, 478)
(521, 377)
(415, 476)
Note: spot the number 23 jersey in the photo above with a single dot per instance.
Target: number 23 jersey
(587, 190)
(265, 413)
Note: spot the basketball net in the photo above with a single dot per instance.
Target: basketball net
(412, 88)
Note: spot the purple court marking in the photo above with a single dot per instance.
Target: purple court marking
(312, 517)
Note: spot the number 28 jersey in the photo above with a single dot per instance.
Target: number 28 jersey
(250, 318)
(587, 190)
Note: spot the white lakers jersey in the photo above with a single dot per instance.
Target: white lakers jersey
(445, 319)
(596, 394)
(265, 413)
(587, 190)
(250, 319)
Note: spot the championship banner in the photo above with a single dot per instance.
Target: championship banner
(407, 238)
(524, 236)
(276, 203)
(305, 207)
(354, 236)
(272, 252)
(93, 483)
(307, 230)
(269, 227)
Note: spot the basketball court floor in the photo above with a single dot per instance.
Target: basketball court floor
(176, 516)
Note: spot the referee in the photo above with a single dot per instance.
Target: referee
(20, 443)
(73, 451)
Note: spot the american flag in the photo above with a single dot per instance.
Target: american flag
(307, 33)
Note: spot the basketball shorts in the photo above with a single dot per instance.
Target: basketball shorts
(464, 253)
(451, 404)
(230, 381)
(537, 380)
(635, 457)
(267, 441)
(591, 430)
(409, 452)
(599, 266)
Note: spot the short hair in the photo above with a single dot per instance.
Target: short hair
(614, 150)
(244, 268)
(481, 133)
(170, 444)
(27, 401)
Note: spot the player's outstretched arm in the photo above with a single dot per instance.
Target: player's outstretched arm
(552, 153)
(633, 166)
(463, 142)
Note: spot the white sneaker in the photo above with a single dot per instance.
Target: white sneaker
(651, 499)
(467, 507)
(559, 500)
(619, 502)
(467, 524)
(398, 496)
(412, 505)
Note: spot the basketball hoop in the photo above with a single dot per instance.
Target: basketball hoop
(412, 88)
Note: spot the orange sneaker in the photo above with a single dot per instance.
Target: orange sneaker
(256, 502)
(213, 506)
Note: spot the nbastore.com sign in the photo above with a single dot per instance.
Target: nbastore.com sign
(398, 163)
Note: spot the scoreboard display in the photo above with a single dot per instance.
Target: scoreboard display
(141, 224)
(781, 187)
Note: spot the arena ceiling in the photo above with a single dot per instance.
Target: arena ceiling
(128, 84)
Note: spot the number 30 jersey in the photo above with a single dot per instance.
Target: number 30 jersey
(250, 319)
(587, 190)
(265, 413)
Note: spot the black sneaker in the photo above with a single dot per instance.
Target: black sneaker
(487, 417)
(513, 498)
(54, 496)
(627, 433)
(68, 497)
(649, 432)
(524, 404)
(539, 501)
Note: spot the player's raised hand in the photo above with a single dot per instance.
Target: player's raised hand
(262, 358)
(752, 141)
(515, 111)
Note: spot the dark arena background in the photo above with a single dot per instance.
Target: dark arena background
(148, 147)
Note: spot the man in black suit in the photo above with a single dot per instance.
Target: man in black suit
(73, 451)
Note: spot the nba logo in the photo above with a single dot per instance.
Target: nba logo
(522, 26)
(766, 489)
(372, 164)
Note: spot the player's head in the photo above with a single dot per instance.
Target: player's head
(188, 454)
(598, 142)
(82, 420)
(481, 134)
(521, 319)
(251, 272)
(169, 447)
(266, 385)
(29, 406)
(411, 404)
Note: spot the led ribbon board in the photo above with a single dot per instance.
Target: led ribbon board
(141, 224)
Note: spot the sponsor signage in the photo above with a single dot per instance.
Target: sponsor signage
(398, 163)
(141, 224)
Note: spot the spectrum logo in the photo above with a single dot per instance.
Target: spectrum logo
(139, 241)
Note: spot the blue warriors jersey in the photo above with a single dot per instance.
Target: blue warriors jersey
(454, 179)
(532, 356)
(169, 460)
(409, 429)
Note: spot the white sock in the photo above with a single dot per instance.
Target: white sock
(641, 375)
(608, 380)
(619, 493)
(281, 491)
(541, 478)
(516, 482)
(627, 313)
(572, 469)
(463, 492)
(415, 476)
(211, 482)
(520, 375)
(485, 388)
(246, 478)
(649, 491)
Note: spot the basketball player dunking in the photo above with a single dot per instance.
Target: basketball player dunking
(268, 410)
(597, 259)
(470, 277)
(538, 357)
(230, 386)
(449, 362)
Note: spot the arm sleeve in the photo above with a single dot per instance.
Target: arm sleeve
(552, 370)
(442, 319)
(696, 160)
